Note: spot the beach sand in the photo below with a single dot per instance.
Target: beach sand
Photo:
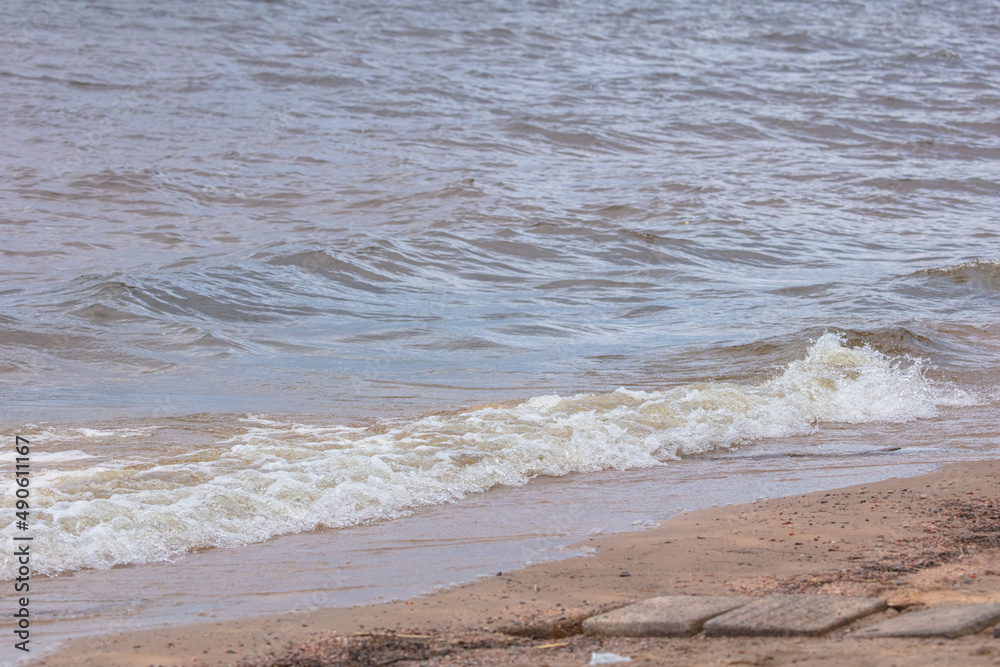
(923, 541)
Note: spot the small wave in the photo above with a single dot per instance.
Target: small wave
(893, 341)
(981, 274)
(215, 296)
(321, 80)
(337, 269)
(274, 477)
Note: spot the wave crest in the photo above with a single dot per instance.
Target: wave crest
(274, 477)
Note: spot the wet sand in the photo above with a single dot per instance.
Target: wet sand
(921, 541)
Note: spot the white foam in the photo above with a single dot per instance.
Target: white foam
(59, 457)
(278, 477)
(43, 434)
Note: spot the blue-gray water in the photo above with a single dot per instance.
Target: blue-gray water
(260, 259)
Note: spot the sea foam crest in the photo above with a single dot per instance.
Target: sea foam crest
(276, 477)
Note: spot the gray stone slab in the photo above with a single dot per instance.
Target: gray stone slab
(792, 615)
(947, 622)
(669, 616)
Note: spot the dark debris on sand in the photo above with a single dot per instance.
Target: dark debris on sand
(960, 527)
(370, 649)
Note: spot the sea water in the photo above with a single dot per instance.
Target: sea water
(367, 298)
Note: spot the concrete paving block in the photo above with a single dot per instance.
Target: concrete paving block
(792, 615)
(949, 622)
(669, 616)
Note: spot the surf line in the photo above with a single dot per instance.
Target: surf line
(22, 550)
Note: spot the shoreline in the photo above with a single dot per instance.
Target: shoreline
(825, 542)
(906, 539)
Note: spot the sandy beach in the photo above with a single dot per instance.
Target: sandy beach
(919, 542)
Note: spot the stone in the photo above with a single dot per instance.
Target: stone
(549, 626)
(669, 616)
(792, 615)
(948, 622)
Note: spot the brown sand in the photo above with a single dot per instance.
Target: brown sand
(928, 540)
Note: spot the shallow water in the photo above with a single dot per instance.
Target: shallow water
(310, 270)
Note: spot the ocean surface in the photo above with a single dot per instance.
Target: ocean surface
(311, 304)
